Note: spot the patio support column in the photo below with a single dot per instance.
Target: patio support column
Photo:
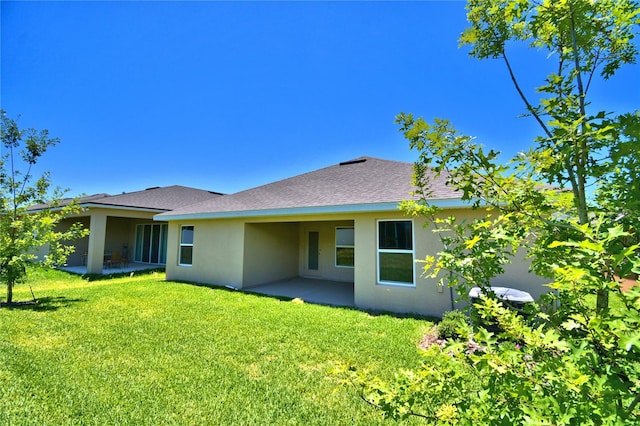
(95, 253)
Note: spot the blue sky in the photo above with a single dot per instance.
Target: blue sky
(230, 95)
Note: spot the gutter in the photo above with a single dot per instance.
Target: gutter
(449, 203)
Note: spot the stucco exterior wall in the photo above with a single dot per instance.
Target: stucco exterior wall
(78, 257)
(112, 229)
(425, 298)
(516, 274)
(120, 235)
(327, 268)
(234, 252)
(270, 252)
(218, 249)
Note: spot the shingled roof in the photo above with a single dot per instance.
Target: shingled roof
(364, 183)
(160, 199)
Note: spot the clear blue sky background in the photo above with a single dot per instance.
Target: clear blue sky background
(229, 95)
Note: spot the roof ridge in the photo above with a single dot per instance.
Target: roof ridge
(358, 160)
(153, 188)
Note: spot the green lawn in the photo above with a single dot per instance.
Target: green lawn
(141, 350)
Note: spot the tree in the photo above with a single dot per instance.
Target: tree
(574, 359)
(23, 231)
(586, 38)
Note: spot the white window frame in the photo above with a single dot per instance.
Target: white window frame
(182, 244)
(337, 246)
(399, 251)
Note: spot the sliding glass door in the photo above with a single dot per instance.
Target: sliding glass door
(151, 243)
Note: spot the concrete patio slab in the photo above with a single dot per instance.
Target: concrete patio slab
(322, 292)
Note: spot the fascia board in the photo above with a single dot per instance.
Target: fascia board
(303, 211)
(116, 207)
(85, 206)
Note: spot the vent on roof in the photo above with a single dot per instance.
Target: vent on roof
(215, 193)
(359, 160)
(153, 187)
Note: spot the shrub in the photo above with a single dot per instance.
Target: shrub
(451, 325)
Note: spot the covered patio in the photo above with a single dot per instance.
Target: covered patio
(322, 292)
(122, 227)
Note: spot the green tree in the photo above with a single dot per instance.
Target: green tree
(586, 39)
(575, 359)
(24, 231)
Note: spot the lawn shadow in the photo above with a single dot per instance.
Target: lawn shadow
(371, 312)
(106, 277)
(44, 304)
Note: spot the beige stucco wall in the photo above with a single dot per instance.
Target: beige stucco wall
(424, 298)
(120, 236)
(327, 268)
(218, 249)
(78, 257)
(270, 252)
(517, 275)
(232, 252)
(112, 230)
(119, 232)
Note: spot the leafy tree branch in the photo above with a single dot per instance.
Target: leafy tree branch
(24, 229)
(574, 358)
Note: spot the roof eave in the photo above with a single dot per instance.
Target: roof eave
(123, 207)
(449, 203)
(104, 206)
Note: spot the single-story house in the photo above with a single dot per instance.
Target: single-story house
(338, 224)
(122, 228)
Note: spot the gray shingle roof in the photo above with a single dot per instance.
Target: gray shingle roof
(363, 181)
(161, 198)
(158, 198)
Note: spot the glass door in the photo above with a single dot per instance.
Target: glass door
(151, 243)
(313, 251)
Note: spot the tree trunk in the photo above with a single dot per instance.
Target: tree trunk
(9, 292)
(602, 302)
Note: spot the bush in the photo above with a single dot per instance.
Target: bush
(451, 325)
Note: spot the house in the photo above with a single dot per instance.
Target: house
(122, 228)
(336, 224)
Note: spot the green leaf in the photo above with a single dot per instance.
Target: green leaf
(472, 242)
(629, 342)
(591, 246)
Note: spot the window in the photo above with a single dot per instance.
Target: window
(186, 245)
(395, 252)
(344, 247)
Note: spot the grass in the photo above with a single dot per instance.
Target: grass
(142, 350)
